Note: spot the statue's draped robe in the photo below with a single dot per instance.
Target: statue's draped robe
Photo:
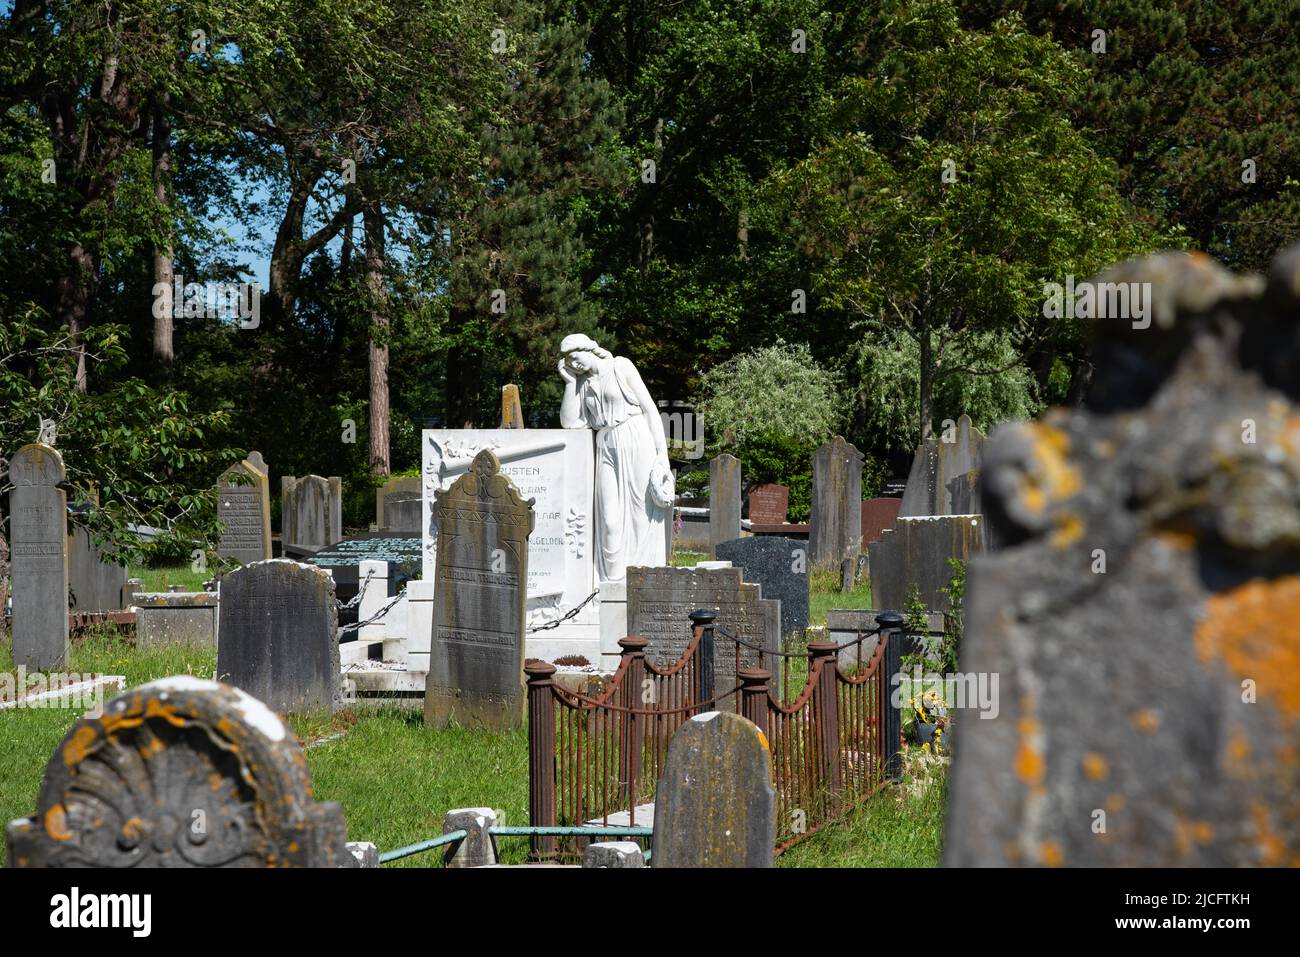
(629, 525)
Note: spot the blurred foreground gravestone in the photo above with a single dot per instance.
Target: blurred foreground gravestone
(180, 772)
(1143, 617)
(715, 805)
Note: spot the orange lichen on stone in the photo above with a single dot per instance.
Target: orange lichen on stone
(1254, 629)
(1203, 832)
(1051, 854)
(1270, 845)
(1291, 435)
(1178, 540)
(56, 823)
(1055, 478)
(1115, 803)
(1069, 529)
(1147, 720)
(1030, 766)
(1095, 767)
(1239, 763)
(74, 752)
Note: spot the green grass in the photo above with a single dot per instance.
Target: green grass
(160, 579)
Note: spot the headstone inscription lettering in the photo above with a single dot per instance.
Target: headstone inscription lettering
(277, 635)
(768, 504)
(179, 772)
(780, 566)
(476, 659)
(244, 507)
(836, 525)
(715, 805)
(38, 515)
(659, 604)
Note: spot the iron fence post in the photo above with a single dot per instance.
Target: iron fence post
(827, 712)
(632, 725)
(541, 756)
(891, 632)
(703, 619)
(753, 696)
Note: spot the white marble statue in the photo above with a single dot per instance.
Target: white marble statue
(634, 484)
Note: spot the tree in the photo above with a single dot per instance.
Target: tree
(946, 188)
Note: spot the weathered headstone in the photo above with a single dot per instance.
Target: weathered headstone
(715, 805)
(278, 635)
(38, 517)
(244, 507)
(175, 618)
(836, 525)
(660, 601)
(1142, 614)
(398, 506)
(476, 659)
(724, 500)
(180, 772)
(780, 566)
(512, 409)
(93, 583)
(944, 479)
(878, 514)
(917, 551)
(311, 510)
(768, 504)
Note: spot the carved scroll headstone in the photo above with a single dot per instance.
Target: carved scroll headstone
(180, 772)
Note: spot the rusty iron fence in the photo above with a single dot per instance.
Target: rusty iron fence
(596, 760)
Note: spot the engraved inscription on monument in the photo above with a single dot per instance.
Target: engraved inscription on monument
(244, 506)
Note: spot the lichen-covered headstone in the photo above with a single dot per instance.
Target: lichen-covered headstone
(180, 772)
(715, 805)
(278, 635)
(38, 528)
(1143, 615)
(476, 656)
(724, 500)
(835, 531)
(244, 507)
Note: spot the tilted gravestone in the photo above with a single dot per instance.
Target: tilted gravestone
(38, 517)
(244, 507)
(836, 524)
(715, 805)
(311, 511)
(659, 604)
(780, 566)
(724, 500)
(398, 504)
(180, 772)
(1142, 613)
(768, 504)
(917, 551)
(278, 635)
(93, 583)
(476, 657)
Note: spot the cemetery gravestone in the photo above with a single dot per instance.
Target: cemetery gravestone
(94, 584)
(715, 805)
(175, 618)
(398, 506)
(917, 551)
(836, 527)
(311, 511)
(660, 601)
(38, 516)
(180, 772)
(768, 504)
(1147, 581)
(878, 514)
(278, 638)
(244, 507)
(724, 500)
(944, 479)
(512, 409)
(780, 566)
(476, 658)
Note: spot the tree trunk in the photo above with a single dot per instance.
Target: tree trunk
(377, 297)
(1080, 379)
(73, 305)
(927, 378)
(163, 351)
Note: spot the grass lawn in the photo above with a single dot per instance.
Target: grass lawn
(396, 778)
(160, 579)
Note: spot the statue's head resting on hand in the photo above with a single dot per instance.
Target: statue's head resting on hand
(582, 354)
